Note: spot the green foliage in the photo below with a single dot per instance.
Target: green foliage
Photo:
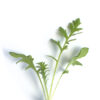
(76, 63)
(74, 26)
(23, 58)
(83, 52)
(52, 57)
(65, 71)
(56, 43)
(71, 40)
(63, 32)
(42, 69)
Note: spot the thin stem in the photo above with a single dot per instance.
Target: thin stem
(56, 66)
(41, 84)
(57, 85)
(59, 80)
(46, 89)
(54, 73)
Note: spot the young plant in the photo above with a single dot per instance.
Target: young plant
(42, 69)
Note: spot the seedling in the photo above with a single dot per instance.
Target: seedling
(42, 69)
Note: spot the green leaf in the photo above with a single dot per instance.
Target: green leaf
(57, 43)
(76, 63)
(52, 57)
(16, 55)
(76, 22)
(71, 40)
(63, 32)
(78, 29)
(74, 26)
(23, 58)
(83, 52)
(76, 33)
(43, 70)
(65, 72)
(65, 47)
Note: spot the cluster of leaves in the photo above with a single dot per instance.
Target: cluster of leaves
(42, 69)
(83, 52)
(73, 29)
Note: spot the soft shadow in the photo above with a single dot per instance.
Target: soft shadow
(54, 51)
(53, 47)
(30, 73)
(67, 56)
(35, 80)
(38, 97)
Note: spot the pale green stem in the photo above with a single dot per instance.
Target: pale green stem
(59, 80)
(46, 89)
(41, 84)
(56, 66)
(54, 73)
(56, 85)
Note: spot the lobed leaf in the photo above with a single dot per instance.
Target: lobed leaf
(63, 32)
(57, 43)
(26, 59)
(43, 70)
(76, 22)
(73, 26)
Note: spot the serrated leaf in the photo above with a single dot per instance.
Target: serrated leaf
(23, 58)
(76, 22)
(57, 43)
(43, 70)
(74, 26)
(76, 63)
(63, 32)
(52, 57)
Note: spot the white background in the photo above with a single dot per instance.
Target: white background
(27, 25)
